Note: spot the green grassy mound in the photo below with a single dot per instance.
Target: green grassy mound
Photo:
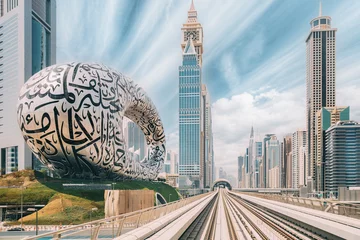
(65, 206)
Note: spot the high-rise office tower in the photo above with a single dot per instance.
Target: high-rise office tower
(286, 165)
(326, 117)
(299, 163)
(342, 151)
(265, 171)
(190, 116)
(258, 158)
(136, 141)
(273, 162)
(207, 138)
(191, 123)
(251, 158)
(27, 45)
(240, 165)
(173, 161)
(320, 78)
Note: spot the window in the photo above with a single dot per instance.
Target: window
(316, 22)
(40, 47)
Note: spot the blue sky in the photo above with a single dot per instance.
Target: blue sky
(254, 58)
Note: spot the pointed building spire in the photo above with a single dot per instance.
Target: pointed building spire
(189, 48)
(252, 132)
(192, 13)
(192, 7)
(320, 9)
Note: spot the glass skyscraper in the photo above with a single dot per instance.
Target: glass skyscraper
(190, 115)
(196, 154)
(27, 45)
(320, 79)
(342, 154)
(264, 182)
(326, 117)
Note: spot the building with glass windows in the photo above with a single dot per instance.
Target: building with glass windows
(320, 79)
(190, 116)
(325, 118)
(251, 158)
(135, 139)
(27, 45)
(273, 162)
(264, 181)
(196, 153)
(342, 156)
(207, 139)
(240, 166)
(299, 164)
(286, 162)
(258, 159)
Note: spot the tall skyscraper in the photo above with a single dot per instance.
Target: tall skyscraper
(207, 138)
(195, 130)
(299, 164)
(326, 117)
(240, 165)
(190, 116)
(135, 139)
(273, 162)
(258, 159)
(265, 171)
(320, 78)
(342, 151)
(251, 158)
(287, 163)
(173, 161)
(27, 45)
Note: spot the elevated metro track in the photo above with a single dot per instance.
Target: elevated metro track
(231, 215)
(224, 214)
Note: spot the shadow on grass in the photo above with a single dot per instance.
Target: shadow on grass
(98, 194)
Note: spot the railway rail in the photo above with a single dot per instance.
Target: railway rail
(225, 214)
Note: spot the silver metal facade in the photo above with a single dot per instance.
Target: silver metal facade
(71, 117)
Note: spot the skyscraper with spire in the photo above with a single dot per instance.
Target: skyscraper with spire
(193, 29)
(196, 154)
(251, 158)
(320, 79)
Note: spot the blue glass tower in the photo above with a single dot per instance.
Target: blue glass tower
(190, 115)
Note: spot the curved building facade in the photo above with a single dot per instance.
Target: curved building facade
(71, 117)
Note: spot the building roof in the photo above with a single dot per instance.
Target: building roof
(192, 7)
(189, 48)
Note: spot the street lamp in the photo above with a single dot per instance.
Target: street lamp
(113, 211)
(21, 204)
(93, 209)
(169, 197)
(36, 211)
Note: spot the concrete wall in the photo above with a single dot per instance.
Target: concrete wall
(348, 195)
(125, 201)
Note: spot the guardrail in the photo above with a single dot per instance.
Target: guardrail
(116, 224)
(326, 205)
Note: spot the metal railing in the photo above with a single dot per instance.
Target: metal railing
(326, 205)
(114, 226)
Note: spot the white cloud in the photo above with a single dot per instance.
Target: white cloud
(269, 112)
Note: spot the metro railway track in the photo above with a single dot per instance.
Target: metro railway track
(229, 222)
(268, 222)
(196, 228)
(229, 216)
(284, 227)
(300, 230)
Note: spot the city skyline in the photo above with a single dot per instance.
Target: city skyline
(264, 83)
